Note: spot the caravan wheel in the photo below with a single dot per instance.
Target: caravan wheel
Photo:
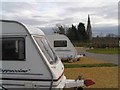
(78, 59)
(78, 88)
(69, 60)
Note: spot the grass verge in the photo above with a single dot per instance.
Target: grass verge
(105, 50)
(89, 65)
(104, 77)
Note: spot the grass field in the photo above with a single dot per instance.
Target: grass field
(105, 51)
(89, 65)
(104, 77)
(87, 60)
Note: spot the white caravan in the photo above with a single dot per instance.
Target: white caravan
(63, 47)
(28, 61)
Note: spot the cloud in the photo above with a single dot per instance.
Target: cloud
(37, 13)
(68, 20)
(106, 12)
(15, 7)
(105, 30)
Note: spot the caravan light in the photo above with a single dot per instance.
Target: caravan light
(89, 82)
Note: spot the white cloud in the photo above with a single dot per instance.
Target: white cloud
(50, 12)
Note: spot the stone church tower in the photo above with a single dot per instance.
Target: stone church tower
(89, 31)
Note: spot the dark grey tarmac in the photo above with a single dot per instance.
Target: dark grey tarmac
(110, 58)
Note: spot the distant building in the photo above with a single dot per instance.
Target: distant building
(89, 31)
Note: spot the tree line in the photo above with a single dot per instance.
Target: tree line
(74, 33)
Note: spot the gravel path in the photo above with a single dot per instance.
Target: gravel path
(110, 58)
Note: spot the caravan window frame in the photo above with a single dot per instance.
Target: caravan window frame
(18, 47)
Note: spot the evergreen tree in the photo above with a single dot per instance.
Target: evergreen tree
(89, 31)
(72, 33)
(82, 33)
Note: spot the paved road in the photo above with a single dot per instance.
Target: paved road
(105, 57)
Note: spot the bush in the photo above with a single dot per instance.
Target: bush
(82, 44)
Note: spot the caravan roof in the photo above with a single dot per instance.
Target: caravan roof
(14, 24)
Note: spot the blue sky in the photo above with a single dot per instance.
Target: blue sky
(49, 13)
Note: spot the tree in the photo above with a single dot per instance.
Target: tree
(89, 31)
(81, 32)
(111, 35)
(61, 29)
(101, 34)
(72, 33)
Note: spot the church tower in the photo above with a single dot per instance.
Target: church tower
(89, 31)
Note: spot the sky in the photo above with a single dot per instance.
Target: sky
(49, 13)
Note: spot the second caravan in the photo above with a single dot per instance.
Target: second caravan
(63, 47)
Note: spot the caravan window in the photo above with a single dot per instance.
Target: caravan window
(60, 43)
(46, 49)
(13, 48)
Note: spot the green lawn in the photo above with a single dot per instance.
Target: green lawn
(105, 50)
(89, 65)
